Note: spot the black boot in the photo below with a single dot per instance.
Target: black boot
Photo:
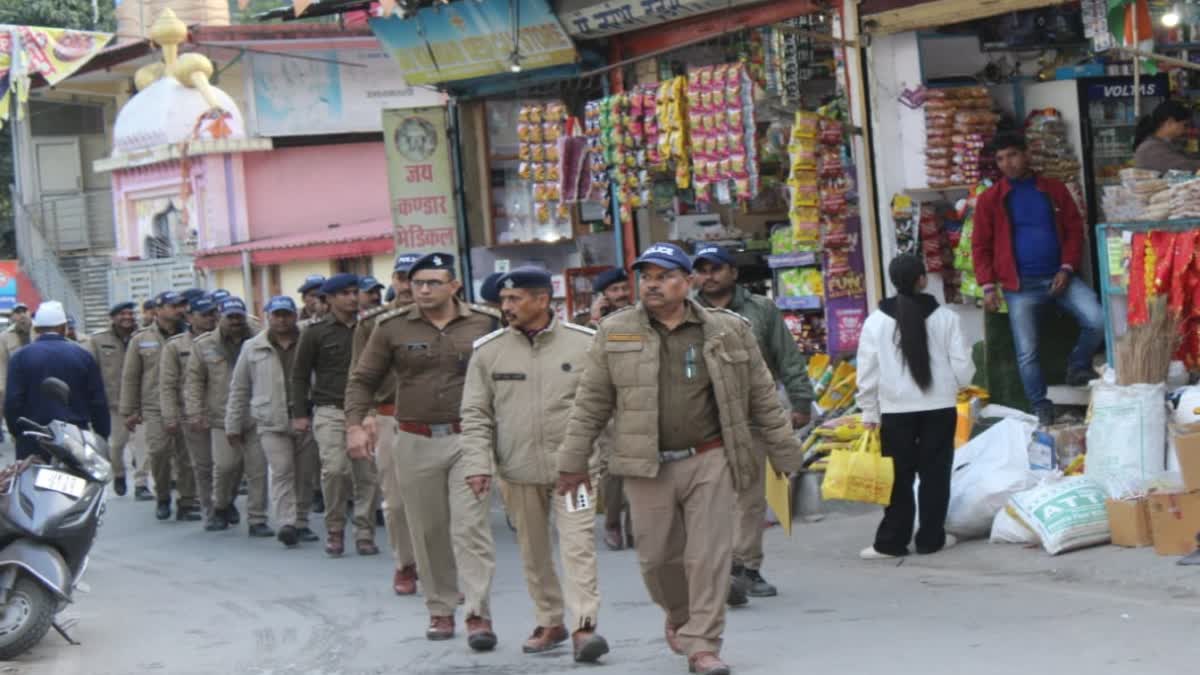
(142, 493)
(306, 534)
(232, 515)
(318, 505)
(164, 510)
(188, 514)
(261, 530)
(288, 536)
(119, 486)
(217, 521)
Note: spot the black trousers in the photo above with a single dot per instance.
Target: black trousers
(920, 444)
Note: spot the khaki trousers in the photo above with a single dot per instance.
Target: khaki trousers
(399, 538)
(292, 459)
(231, 463)
(685, 544)
(451, 532)
(200, 452)
(140, 458)
(123, 441)
(530, 507)
(167, 455)
(749, 514)
(343, 478)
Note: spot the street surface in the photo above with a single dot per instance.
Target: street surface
(170, 598)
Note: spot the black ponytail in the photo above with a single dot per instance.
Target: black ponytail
(906, 272)
(1148, 125)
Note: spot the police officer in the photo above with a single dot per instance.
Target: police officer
(381, 424)
(716, 281)
(320, 374)
(141, 403)
(73, 333)
(108, 348)
(14, 338)
(207, 390)
(428, 346)
(52, 355)
(262, 374)
(683, 385)
(370, 293)
(519, 388)
(489, 290)
(149, 311)
(172, 368)
(400, 284)
(310, 297)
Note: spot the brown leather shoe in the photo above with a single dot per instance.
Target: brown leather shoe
(589, 647)
(404, 582)
(335, 544)
(440, 628)
(544, 639)
(479, 634)
(613, 539)
(366, 547)
(707, 663)
(672, 634)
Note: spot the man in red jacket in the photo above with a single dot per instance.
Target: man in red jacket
(1028, 244)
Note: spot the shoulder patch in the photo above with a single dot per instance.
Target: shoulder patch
(373, 312)
(103, 331)
(175, 338)
(489, 337)
(495, 314)
(576, 327)
(391, 314)
(730, 312)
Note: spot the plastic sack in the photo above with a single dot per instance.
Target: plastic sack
(1127, 434)
(987, 471)
(1066, 514)
(860, 475)
(1009, 530)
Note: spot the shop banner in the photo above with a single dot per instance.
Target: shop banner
(334, 91)
(8, 284)
(473, 38)
(609, 17)
(421, 180)
(53, 53)
(846, 294)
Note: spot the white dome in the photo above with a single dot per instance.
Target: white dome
(165, 113)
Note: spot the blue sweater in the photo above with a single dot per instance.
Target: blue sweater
(1036, 247)
(52, 355)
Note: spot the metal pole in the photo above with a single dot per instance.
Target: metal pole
(1137, 68)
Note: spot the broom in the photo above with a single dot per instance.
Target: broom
(1144, 353)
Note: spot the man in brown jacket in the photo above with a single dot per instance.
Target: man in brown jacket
(108, 347)
(683, 385)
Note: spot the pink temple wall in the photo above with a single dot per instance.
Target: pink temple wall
(293, 190)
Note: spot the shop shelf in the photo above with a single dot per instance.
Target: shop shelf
(807, 302)
(787, 260)
(913, 192)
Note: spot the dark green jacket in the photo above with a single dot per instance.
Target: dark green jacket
(778, 346)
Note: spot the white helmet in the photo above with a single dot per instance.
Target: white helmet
(1188, 409)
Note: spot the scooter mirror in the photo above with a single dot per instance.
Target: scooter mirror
(56, 390)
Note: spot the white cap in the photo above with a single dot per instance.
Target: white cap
(50, 314)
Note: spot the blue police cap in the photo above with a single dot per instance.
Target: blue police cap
(714, 254)
(338, 283)
(149, 304)
(169, 298)
(390, 295)
(202, 305)
(281, 303)
(433, 261)
(526, 277)
(489, 289)
(664, 255)
(121, 307)
(312, 282)
(193, 293)
(233, 305)
(405, 261)
(608, 278)
(20, 307)
(218, 295)
(368, 284)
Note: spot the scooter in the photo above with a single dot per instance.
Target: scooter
(49, 514)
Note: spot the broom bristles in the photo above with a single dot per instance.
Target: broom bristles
(1144, 353)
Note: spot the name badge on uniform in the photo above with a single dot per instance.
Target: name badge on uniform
(108, 348)
(624, 337)
(416, 346)
(149, 344)
(500, 377)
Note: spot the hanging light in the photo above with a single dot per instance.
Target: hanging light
(514, 62)
(1171, 18)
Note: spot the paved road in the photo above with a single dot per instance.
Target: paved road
(170, 598)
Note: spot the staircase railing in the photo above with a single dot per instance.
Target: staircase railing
(40, 263)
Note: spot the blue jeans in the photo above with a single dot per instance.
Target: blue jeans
(1023, 307)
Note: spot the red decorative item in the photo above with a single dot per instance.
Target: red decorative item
(1139, 313)
(1164, 244)
(1181, 270)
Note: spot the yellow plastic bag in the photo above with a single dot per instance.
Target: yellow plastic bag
(779, 497)
(860, 475)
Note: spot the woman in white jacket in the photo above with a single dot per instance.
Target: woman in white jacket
(911, 363)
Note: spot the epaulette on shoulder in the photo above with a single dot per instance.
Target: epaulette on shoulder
(610, 315)
(173, 338)
(373, 312)
(729, 312)
(391, 314)
(207, 336)
(495, 314)
(489, 337)
(102, 331)
(576, 327)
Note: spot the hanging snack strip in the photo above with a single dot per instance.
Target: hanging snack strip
(671, 111)
(835, 184)
(539, 128)
(803, 184)
(721, 122)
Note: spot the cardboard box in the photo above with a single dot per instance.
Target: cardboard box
(1129, 520)
(1187, 451)
(1174, 522)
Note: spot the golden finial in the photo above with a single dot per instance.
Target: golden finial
(148, 75)
(168, 32)
(193, 70)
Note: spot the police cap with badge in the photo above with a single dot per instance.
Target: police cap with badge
(433, 261)
(338, 283)
(527, 278)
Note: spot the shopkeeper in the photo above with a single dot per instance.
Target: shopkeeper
(1155, 141)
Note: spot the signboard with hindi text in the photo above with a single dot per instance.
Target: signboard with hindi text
(473, 38)
(421, 180)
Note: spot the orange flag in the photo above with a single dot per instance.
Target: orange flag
(386, 8)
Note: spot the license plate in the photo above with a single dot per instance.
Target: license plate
(49, 479)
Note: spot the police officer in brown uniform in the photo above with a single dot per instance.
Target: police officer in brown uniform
(519, 389)
(172, 369)
(381, 424)
(683, 385)
(141, 403)
(325, 350)
(310, 297)
(108, 348)
(14, 338)
(428, 346)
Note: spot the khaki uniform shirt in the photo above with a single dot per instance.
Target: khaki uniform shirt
(108, 348)
(172, 367)
(139, 377)
(206, 389)
(687, 406)
(429, 363)
(322, 365)
(366, 325)
(10, 341)
(258, 393)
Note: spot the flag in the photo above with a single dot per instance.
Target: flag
(299, 6)
(1120, 24)
(53, 53)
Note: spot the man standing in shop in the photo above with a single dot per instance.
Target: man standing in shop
(717, 287)
(172, 372)
(108, 348)
(520, 385)
(427, 347)
(683, 385)
(141, 403)
(208, 382)
(310, 296)
(1027, 249)
(321, 370)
